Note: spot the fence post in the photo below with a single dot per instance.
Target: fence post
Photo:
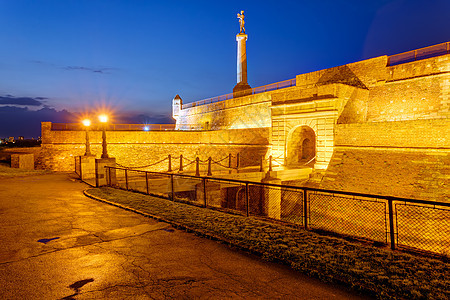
(209, 167)
(181, 162)
(172, 187)
(237, 162)
(261, 169)
(391, 223)
(170, 163)
(109, 176)
(270, 163)
(229, 163)
(197, 166)
(126, 179)
(305, 208)
(204, 191)
(247, 198)
(146, 182)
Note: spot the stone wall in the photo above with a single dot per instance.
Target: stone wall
(379, 129)
(5, 154)
(405, 159)
(395, 141)
(140, 148)
(431, 133)
(411, 91)
(407, 173)
(252, 111)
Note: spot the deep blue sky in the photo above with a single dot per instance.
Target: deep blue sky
(60, 58)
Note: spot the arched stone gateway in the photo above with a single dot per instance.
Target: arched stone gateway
(301, 147)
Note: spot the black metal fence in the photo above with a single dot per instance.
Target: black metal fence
(401, 223)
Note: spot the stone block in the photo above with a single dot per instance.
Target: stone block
(213, 194)
(272, 198)
(100, 170)
(87, 167)
(22, 161)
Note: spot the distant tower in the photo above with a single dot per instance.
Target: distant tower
(242, 87)
(176, 106)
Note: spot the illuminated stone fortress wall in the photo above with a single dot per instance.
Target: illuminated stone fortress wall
(373, 127)
(365, 127)
(139, 148)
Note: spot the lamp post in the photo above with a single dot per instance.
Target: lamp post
(103, 119)
(86, 124)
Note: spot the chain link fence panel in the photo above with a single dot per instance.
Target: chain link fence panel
(423, 227)
(349, 215)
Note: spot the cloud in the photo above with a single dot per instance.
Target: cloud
(88, 69)
(29, 101)
(98, 70)
(20, 121)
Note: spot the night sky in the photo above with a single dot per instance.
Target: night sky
(60, 60)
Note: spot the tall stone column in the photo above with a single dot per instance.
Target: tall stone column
(242, 88)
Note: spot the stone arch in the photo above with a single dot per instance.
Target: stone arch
(300, 146)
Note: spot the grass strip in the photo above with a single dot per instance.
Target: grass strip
(380, 272)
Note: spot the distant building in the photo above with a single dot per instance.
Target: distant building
(20, 138)
(11, 139)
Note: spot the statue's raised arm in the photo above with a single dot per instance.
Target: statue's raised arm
(241, 21)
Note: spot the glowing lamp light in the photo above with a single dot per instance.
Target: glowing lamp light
(103, 118)
(146, 128)
(86, 122)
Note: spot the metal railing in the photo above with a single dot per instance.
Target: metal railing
(208, 166)
(257, 90)
(418, 54)
(113, 127)
(407, 224)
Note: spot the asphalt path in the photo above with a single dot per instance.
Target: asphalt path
(55, 243)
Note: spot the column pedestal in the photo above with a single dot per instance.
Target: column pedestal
(87, 167)
(272, 197)
(101, 176)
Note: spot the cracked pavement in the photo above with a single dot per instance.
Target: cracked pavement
(58, 244)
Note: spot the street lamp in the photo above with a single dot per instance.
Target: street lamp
(103, 119)
(87, 123)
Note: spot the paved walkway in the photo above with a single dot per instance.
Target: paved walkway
(57, 244)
